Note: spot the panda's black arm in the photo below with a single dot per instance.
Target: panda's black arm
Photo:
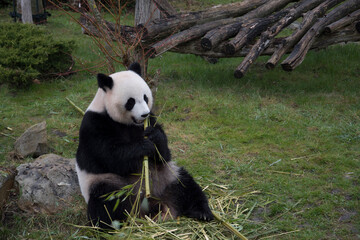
(156, 134)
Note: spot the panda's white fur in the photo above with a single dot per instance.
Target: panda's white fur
(159, 178)
(113, 99)
(86, 180)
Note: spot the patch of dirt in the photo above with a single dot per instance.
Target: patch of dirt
(58, 133)
(258, 215)
(347, 216)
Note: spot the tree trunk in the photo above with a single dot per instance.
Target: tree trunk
(145, 11)
(26, 11)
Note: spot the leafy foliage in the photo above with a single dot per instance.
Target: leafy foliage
(28, 52)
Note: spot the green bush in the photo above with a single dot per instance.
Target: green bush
(28, 52)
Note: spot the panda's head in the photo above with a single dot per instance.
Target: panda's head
(125, 95)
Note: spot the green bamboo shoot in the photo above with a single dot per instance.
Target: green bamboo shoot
(146, 166)
(145, 202)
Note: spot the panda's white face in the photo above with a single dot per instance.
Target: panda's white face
(125, 96)
(129, 100)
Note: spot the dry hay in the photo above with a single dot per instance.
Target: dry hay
(235, 208)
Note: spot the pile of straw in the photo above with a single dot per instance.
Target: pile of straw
(233, 212)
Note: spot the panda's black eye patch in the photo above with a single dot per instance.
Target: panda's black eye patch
(146, 98)
(130, 104)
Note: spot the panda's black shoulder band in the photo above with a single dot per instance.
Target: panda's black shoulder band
(104, 81)
(135, 67)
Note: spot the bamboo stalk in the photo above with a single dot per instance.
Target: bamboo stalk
(145, 202)
(76, 107)
(7, 135)
(228, 226)
(146, 166)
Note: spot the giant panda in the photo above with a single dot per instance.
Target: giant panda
(112, 146)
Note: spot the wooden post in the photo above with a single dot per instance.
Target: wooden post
(145, 11)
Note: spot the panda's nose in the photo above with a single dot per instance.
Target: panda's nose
(145, 115)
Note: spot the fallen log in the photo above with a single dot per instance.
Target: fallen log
(293, 13)
(250, 31)
(167, 26)
(194, 47)
(300, 50)
(184, 36)
(343, 22)
(348, 34)
(345, 35)
(199, 30)
(219, 34)
(215, 36)
(308, 20)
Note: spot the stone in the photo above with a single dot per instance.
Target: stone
(48, 185)
(7, 177)
(33, 142)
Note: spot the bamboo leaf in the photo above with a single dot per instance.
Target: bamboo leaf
(116, 205)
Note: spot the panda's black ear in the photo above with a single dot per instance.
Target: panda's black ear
(104, 81)
(135, 67)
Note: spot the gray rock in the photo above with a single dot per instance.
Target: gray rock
(7, 177)
(47, 185)
(33, 142)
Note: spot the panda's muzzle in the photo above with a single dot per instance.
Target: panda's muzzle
(140, 121)
(145, 115)
(137, 121)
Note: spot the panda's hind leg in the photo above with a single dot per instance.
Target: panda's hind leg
(188, 198)
(101, 211)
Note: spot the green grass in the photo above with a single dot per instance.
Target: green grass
(290, 139)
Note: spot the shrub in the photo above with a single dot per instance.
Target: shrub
(28, 52)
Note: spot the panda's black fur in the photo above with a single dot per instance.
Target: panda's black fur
(110, 153)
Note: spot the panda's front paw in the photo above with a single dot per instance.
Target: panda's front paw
(154, 135)
(148, 147)
(205, 215)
